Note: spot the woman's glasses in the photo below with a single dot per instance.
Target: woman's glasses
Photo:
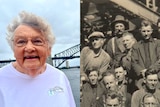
(20, 42)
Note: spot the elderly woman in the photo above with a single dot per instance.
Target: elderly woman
(29, 81)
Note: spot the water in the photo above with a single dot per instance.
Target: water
(73, 75)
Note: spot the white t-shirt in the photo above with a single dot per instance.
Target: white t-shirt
(49, 89)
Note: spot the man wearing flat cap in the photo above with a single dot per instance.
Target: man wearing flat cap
(93, 56)
(114, 46)
(96, 34)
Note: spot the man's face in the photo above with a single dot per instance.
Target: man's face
(112, 102)
(93, 77)
(128, 41)
(120, 73)
(151, 81)
(119, 28)
(97, 42)
(110, 82)
(146, 32)
(150, 102)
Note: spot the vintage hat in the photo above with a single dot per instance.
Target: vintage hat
(120, 19)
(96, 34)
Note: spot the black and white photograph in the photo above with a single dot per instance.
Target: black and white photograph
(120, 53)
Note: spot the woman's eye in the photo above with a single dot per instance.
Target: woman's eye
(21, 42)
(38, 42)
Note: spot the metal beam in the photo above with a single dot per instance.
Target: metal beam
(138, 9)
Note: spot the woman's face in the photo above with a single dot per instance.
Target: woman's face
(30, 47)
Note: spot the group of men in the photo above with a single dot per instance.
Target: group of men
(122, 71)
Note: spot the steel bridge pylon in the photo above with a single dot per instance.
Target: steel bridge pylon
(63, 56)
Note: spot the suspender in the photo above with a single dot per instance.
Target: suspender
(113, 45)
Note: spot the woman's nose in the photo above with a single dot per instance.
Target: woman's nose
(29, 46)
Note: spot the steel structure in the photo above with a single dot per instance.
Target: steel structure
(63, 56)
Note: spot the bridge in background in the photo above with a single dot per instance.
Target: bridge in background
(63, 56)
(58, 58)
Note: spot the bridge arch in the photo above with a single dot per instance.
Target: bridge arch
(63, 56)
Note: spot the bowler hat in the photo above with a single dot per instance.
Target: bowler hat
(120, 19)
(96, 34)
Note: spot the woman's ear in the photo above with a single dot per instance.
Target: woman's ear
(49, 51)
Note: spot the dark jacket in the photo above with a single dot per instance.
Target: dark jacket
(90, 95)
(138, 56)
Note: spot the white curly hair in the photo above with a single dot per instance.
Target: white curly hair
(33, 21)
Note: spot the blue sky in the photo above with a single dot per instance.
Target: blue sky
(63, 15)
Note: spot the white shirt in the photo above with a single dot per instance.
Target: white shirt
(49, 89)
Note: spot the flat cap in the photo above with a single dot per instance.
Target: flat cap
(96, 34)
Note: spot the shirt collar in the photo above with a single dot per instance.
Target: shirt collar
(98, 54)
(148, 40)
